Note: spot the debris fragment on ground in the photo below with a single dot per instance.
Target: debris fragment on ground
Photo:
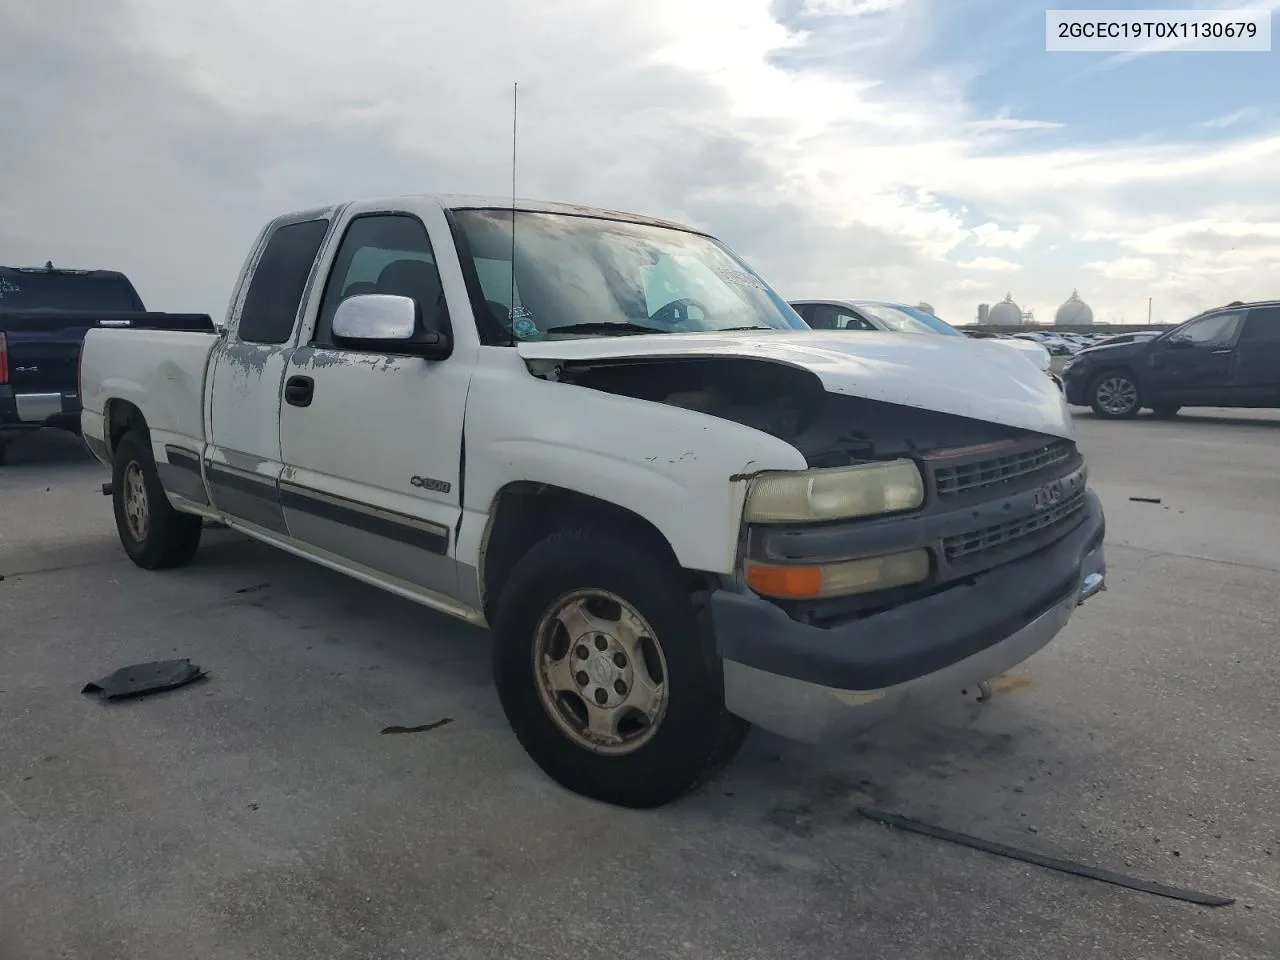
(1050, 863)
(422, 729)
(140, 678)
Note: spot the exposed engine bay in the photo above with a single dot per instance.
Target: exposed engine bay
(830, 430)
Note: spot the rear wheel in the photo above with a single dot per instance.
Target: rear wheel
(1166, 411)
(1114, 395)
(154, 535)
(604, 673)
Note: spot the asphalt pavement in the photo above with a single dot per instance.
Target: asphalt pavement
(260, 814)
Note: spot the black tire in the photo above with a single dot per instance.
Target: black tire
(1106, 389)
(696, 735)
(170, 538)
(1166, 411)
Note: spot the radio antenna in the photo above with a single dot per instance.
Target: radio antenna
(515, 114)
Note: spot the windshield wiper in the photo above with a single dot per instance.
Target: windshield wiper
(754, 326)
(605, 327)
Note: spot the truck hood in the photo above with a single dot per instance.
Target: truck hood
(966, 378)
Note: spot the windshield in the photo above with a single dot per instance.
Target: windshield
(66, 291)
(586, 276)
(904, 319)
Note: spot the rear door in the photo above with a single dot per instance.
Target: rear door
(373, 451)
(242, 459)
(1194, 365)
(1257, 358)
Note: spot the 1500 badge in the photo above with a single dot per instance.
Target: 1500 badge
(426, 483)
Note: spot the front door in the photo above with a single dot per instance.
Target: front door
(1193, 365)
(372, 441)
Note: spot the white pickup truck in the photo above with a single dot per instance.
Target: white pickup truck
(679, 510)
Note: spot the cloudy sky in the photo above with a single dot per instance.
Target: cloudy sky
(905, 149)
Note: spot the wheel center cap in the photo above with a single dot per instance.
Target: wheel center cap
(601, 670)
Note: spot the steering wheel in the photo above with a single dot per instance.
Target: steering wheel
(676, 313)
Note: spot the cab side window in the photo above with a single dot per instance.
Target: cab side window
(827, 317)
(279, 280)
(389, 254)
(1218, 330)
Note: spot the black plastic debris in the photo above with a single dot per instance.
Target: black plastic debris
(1146, 499)
(1049, 863)
(133, 681)
(422, 729)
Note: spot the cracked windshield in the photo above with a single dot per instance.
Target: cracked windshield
(681, 480)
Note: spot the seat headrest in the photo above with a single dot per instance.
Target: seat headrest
(412, 278)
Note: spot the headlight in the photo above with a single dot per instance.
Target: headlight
(838, 493)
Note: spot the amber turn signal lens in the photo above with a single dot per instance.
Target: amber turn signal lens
(784, 581)
(790, 582)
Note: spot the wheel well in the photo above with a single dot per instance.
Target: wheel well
(524, 513)
(122, 417)
(1117, 368)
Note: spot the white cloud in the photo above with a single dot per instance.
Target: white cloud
(965, 285)
(990, 265)
(1125, 268)
(848, 8)
(1010, 124)
(994, 236)
(1229, 119)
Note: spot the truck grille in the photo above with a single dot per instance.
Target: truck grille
(1007, 534)
(955, 480)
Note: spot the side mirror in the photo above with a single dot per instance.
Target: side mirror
(380, 321)
(1179, 343)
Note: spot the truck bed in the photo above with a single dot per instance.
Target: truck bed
(161, 372)
(40, 354)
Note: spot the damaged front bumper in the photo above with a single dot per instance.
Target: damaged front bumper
(813, 683)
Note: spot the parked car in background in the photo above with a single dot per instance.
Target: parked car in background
(44, 313)
(895, 317)
(1228, 357)
(1125, 338)
(606, 437)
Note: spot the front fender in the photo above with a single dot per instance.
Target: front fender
(681, 470)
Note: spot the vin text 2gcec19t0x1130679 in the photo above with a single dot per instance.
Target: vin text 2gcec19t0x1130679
(679, 510)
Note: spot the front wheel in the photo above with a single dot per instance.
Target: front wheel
(603, 672)
(153, 534)
(1114, 395)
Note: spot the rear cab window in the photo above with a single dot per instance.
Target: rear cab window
(279, 280)
(67, 291)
